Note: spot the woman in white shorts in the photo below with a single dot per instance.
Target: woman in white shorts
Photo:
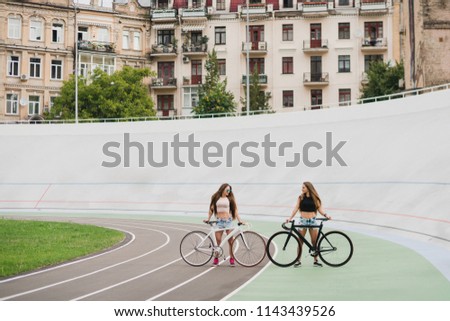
(223, 206)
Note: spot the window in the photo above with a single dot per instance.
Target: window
(56, 69)
(57, 32)
(165, 104)
(165, 37)
(288, 3)
(103, 35)
(52, 101)
(222, 64)
(220, 36)
(83, 33)
(345, 97)
(34, 105)
(373, 29)
(14, 27)
(13, 66)
(368, 59)
(36, 30)
(125, 39)
(344, 30)
(35, 67)
(89, 62)
(12, 104)
(288, 65)
(220, 5)
(136, 40)
(258, 65)
(288, 98)
(288, 32)
(190, 99)
(344, 2)
(316, 98)
(344, 63)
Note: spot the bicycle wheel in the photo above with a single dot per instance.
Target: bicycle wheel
(335, 248)
(196, 248)
(287, 249)
(249, 248)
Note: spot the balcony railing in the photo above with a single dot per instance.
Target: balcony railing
(374, 43)
(367, 5)
(164, 14)
(316, 44)
(195, 48)
(254, 8)
(163, 49)
(96, 46)
(315, 6)
(193, 12)
(317, 77)
(262, 79)
(164, 82)
(255, 46)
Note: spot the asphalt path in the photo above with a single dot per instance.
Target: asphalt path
(146, 266)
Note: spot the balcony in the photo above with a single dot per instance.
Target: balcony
(255, 47)
(315, 46)
(96, 46)
(164, 83)
(262, 79)
(163, 50)
(193, 80)
(164, 14)
(195, 49)
(374, 44)
(255, 9)
(315, 7)
(371, 6)
(193, 13)
(315, 79)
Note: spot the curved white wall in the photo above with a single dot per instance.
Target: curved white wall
(397, 154)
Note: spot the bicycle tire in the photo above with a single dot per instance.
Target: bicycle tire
(335, 248)
(190, 251)
(249, 248)
(287, 255)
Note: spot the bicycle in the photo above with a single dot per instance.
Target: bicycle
(197, 247)
(334, 248)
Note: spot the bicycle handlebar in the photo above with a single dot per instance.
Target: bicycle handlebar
(293, 223)
(211, 223)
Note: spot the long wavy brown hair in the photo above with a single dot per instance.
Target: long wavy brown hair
(313, 193)
(215, 197)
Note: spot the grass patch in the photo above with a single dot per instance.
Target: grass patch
(29, 245)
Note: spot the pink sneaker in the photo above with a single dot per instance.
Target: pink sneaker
(216, 261)
(231, 261)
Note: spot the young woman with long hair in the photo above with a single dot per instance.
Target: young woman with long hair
(223, 206)
(309, 203)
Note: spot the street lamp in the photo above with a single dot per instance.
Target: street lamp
(247, 79)
(76, 61)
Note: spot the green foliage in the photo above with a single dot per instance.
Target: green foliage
(213, 95)
(383, 79)
(259, 100)
(119, 95)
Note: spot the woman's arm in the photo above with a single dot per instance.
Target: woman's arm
(236, 214)
(322, 212)
(210, 213)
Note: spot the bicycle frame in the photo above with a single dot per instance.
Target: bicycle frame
(294, 229)
(235, 231)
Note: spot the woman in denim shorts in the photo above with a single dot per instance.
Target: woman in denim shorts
(308, 203)
(223, 206)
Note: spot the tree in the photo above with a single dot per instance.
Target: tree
(259, 100)
(119, 95)
(213, 95)
(383, 79)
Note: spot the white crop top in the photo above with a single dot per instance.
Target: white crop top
(223, 205)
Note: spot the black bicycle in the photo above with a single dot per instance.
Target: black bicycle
(334, 248)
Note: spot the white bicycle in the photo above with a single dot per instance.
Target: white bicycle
(197, 247)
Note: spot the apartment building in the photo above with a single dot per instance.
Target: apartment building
(308, 54)
(37, 47)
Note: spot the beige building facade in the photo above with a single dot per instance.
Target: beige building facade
(308, 54)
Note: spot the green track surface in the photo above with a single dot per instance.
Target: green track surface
(379, 270)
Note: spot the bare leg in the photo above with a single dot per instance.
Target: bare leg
(303, 233)
(230, 241)
(313, 232)
(218, 240)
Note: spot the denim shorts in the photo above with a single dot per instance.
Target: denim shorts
(308, 221)
(224, 223)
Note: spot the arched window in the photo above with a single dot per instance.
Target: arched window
(15, 27)
(58, 31)
(36, 29)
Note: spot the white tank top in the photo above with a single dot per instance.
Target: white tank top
(223, 205)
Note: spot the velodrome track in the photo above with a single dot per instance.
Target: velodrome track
(146, 266)
(392, 197)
